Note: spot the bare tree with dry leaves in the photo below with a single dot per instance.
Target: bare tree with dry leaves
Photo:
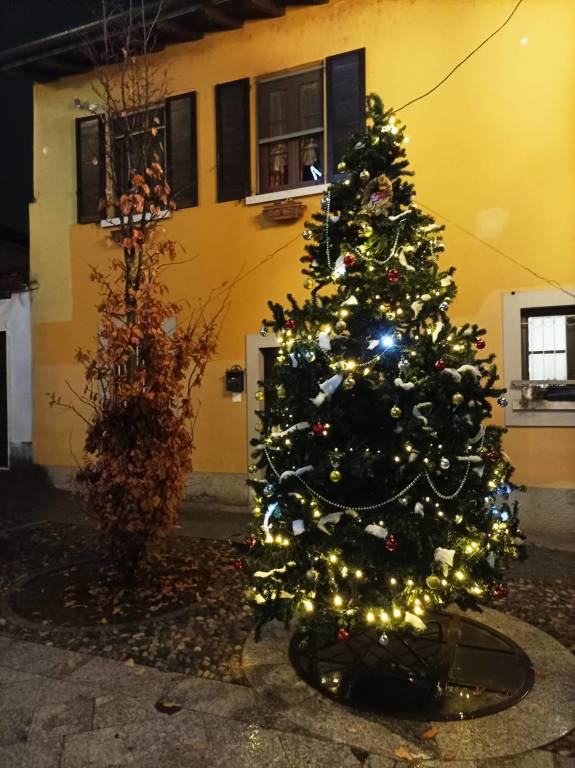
(137, 402)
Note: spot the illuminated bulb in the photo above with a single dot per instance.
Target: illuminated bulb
(524, 40)
(370, 616)
(418, 610)
(443, 582)
(279, 539)
(344, 571)
(337, 601)
(359, 574)
(406, 139)
(384, 616)
(393, 581)
(426, 598)
(316, 513)
(308, 605)
(392, 120)
(333, 558)
(366, 371)
(476, 589)
(285, 542)
(269, 539)
(257, 510)
(439, 513)
(387, 341)
(397, 459)
(396, 613)
(459, 575)
(350, 365)
(409, 582)
(417, 601)
(287, 441)
(344, 312)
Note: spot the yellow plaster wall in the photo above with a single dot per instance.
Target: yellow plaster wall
(493, 151)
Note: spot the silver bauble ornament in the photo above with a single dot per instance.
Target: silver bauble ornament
(502, 401)
(264, 330)
(444, 462)
(307, 234)
(383, 638)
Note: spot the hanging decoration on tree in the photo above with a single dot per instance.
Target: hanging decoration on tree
(381, 494)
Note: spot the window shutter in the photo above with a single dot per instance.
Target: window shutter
(90, 168)
(345, 103)
(233, 139)
(182, 149)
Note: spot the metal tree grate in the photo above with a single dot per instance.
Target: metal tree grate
(457, 669)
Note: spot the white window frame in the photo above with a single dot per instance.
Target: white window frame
(522, 411)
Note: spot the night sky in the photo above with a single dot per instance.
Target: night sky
(22, 21)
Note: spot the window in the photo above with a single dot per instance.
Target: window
(539, 359)
(166, 134)
(548, 343)
(138, 140)
(290, 130)
(298, 144)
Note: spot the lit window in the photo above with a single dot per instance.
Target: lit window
(548, 343)
(290, 130)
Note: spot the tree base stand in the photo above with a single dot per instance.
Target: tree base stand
(456, 669)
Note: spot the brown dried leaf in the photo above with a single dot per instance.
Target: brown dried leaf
(129, 663)
(403, 753)
(431, 733)
(448, 757)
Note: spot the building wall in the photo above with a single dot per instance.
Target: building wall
(492, 150)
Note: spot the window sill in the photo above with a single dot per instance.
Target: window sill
(286, 194)
(115, 222)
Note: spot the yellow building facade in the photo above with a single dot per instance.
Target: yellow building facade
(493, 153)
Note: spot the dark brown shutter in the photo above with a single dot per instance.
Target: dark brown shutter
(90, 168)
(345, 75)
(182, 149)
(233, 139)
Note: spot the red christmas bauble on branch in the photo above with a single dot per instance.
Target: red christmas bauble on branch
(349, 260)
(391, 543)
(393, 275)
(318, 428)
(500, 592)
(239, 564)
(289, 323)
(439, 364)
(343, 635)
(480, 344)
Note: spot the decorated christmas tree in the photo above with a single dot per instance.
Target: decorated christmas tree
(380, 491)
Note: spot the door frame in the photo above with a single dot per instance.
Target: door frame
(255, 342)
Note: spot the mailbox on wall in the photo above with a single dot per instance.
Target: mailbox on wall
(235, 379)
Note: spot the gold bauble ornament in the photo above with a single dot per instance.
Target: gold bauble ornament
(341, 167)
(341, 325)
(457, 398)
(281, 391)
(260, 395)
(433, 582)
(259, 428)
(364, 175)
(335, 476)
(395, 412)
(366, 231)
(308, 283)
(349, 382)
(252, 468)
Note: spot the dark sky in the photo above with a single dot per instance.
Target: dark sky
(20, 22)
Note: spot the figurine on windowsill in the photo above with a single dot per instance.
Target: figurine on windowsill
(278, 164)
(309, 159)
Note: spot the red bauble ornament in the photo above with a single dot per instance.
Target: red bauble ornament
(349, 260)
(439, 364)
(393, 275)
(240, 565)
(318, 429)
(480, 344)
(492, 455)
(289, 323)
(251, 541)
(343, 635)
(500, 592)
(391, 543)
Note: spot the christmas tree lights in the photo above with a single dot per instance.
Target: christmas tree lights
(379, 492)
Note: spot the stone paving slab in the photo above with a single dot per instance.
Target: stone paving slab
(81, 711)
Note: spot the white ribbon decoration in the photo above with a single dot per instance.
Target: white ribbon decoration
(294, 428)
(351, 302)
(290, 473)
(445, 558)
(376, 530)
(404, 384)
(330, 385)
(470, 369)
(298, 527)
(324, 341)
(415, 621)
(453, 373)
